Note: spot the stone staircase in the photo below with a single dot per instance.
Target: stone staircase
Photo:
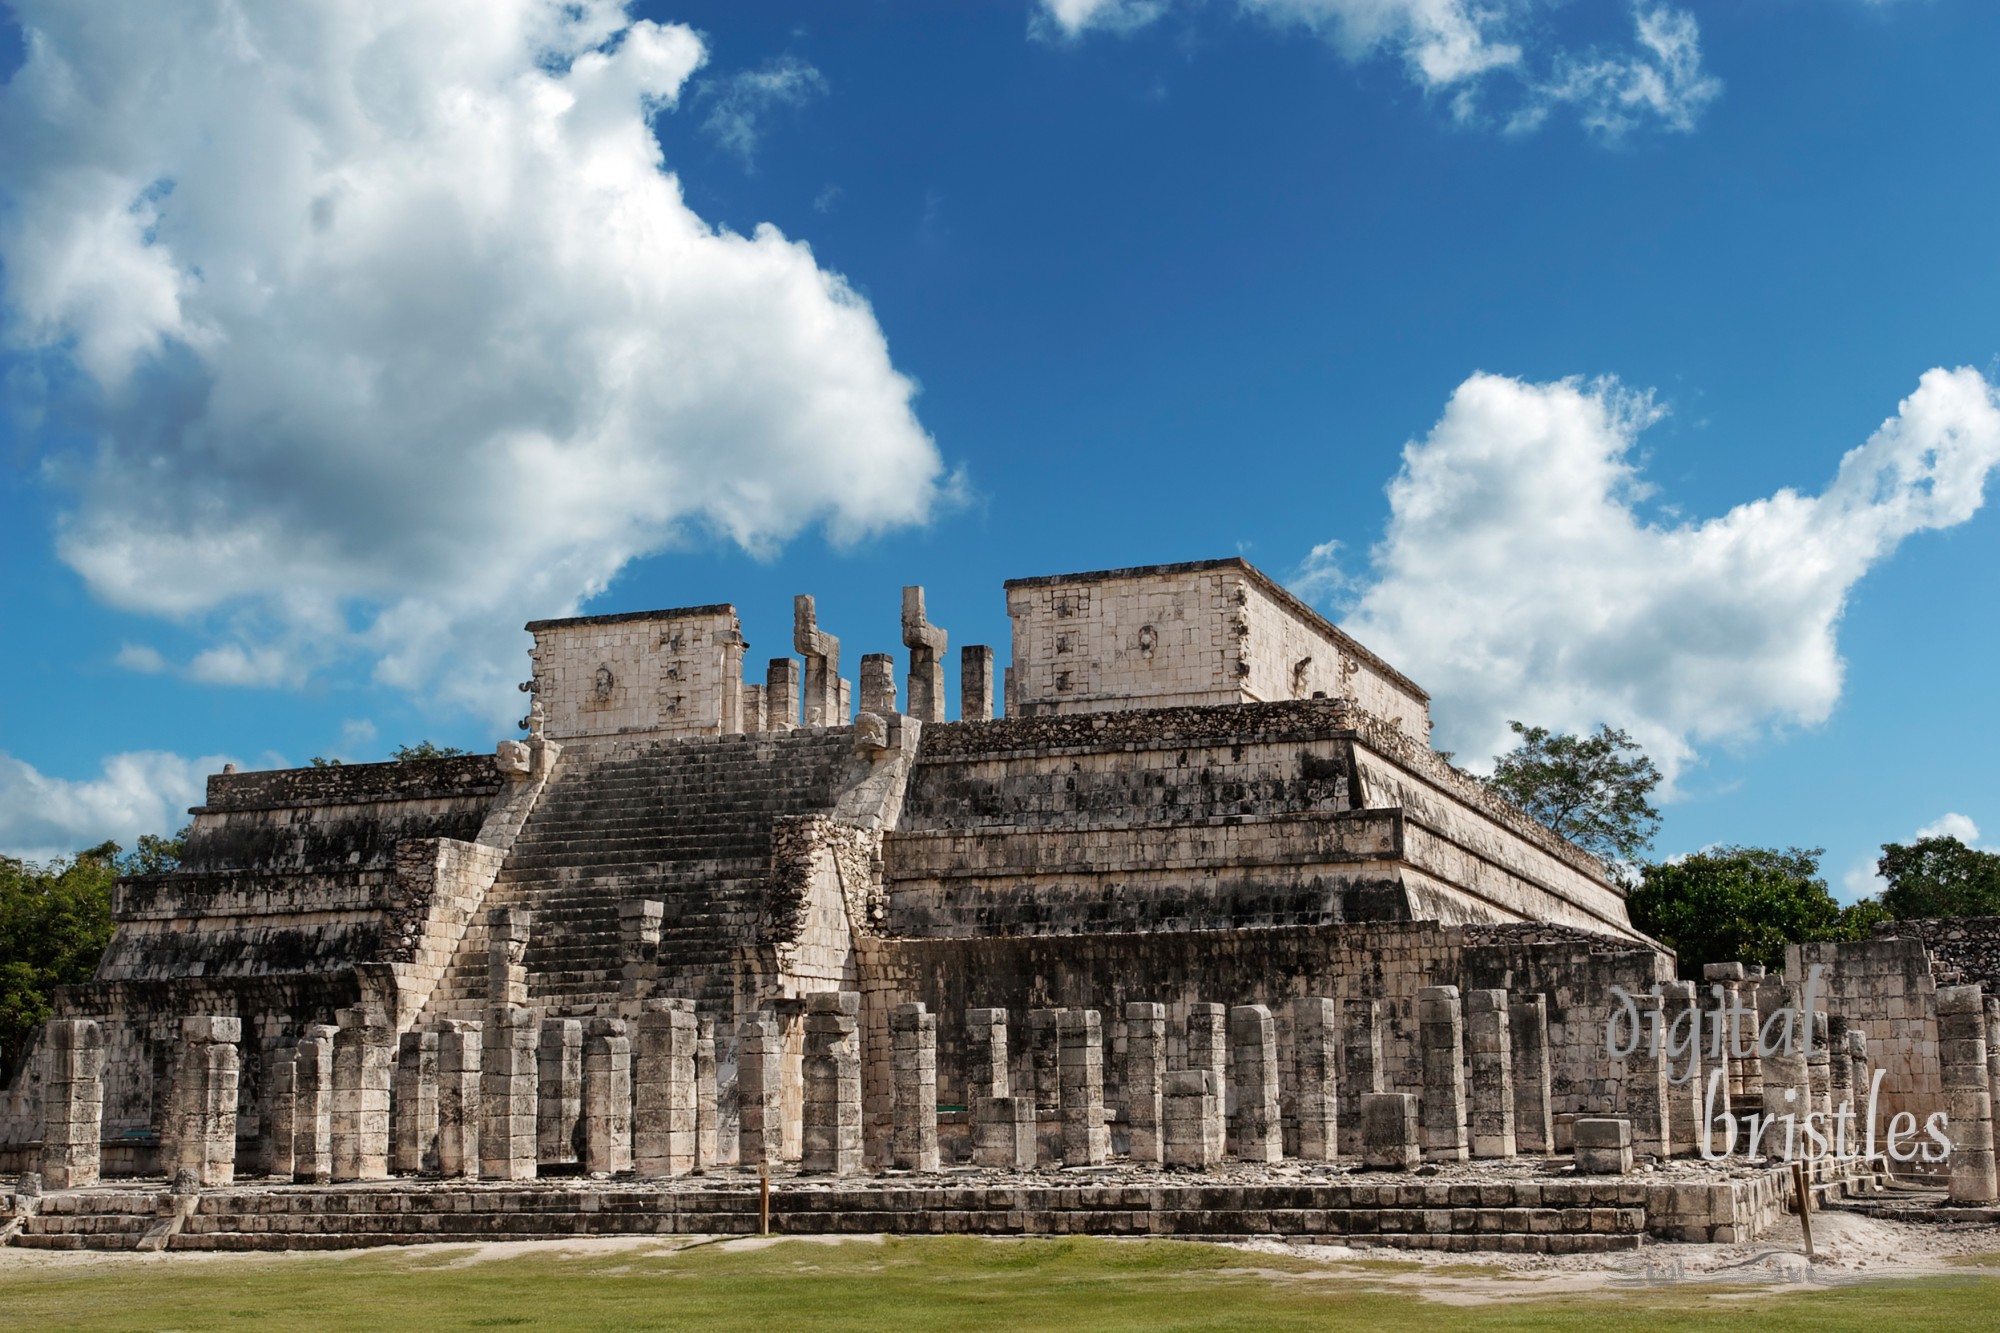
(95, 1219)
(687, 822)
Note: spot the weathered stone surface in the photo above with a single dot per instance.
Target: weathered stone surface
(1360, 1062)
(414, 1103)
(607, 1097)
(72, 1103)
(1254, 1129)
(459, 1065)
(364, 1054)
(759, 1093)
(1528, 1041)
(665, 1117)
(1194, 1137)
(1388, 1131)
(831, 1135)
(1315, 1077)
(1968, 1096)
(913, 1144)
(508, 1098)
(1441, 1029)
(1145, 1078)
(559, 1090)
(1603, 1146)
(1085, 1140)
(1004, 1133)
(1489, 1051)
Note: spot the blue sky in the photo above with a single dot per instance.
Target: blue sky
(318, 384)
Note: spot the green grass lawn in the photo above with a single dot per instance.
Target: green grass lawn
(927, 1285)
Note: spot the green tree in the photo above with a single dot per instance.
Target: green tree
(426, 750)
(1939, 877)
(55, 920)
(1590, 789)
(1742, 904)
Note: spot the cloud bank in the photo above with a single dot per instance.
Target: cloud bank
(388, 329)
(147, 791)
(1487, 60)
(1519, 576)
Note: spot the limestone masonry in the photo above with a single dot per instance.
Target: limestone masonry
(1203, 898)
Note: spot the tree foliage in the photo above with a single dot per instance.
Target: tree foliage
(1742, 904)
(55, 920)
(1939, 877)
(1591, 789)
(426, 750)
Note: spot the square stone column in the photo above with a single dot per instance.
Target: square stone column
(707, 1103)
(1819, 1066)
(975, 683)
(509, 1062)
(760, 1130)
(878, 684)
(1085, 1140)
(1603, 1146)
(507, 930)
(1003, 1133)
(559, 1083)
(1441, 1042)
(664, 1089)
(1782, 1070)
(1725, 985)
(1683, 1036)
(1387, 1131)
(1360, 1063)
(913, 1139)
(1488, 1043)
(1208, 1050)
(985, 1054)
(1145, 1079)
(832, 1134)
(1992, 1010)
(781, 694)
(1645, 1094)
(281, 1103)
(1528, 1040)
(926, 643)
(364, 1054)
(1193, 1137)
(312, 1116)
(199, 1133)
(459, 1065)
(1857, 1059)
(72, 1103)
(1255, 1133)
(1968, 1099)
(821, 652)
(1316, 1077)
(1044, 1061)
(414, 1103)
(607, 1097)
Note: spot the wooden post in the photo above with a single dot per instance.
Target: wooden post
(1805, 1205)
(763, 1198)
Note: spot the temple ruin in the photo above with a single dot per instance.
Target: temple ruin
(1197, 904)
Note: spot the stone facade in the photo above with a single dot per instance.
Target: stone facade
(1203, 892)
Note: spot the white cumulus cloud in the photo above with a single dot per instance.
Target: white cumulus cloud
(1472, 53)
(1860, 879)
(1520, 575)
(146, 791)
(394, 329)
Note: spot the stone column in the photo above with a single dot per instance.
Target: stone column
(832, 1137)
(607, 1097)
(1044, 1055)
(707, 1098)
(926, 643)
(458, 1099)
(1646, 1097)
(1490, 1116)
(507, 930)
(559, 1084)
(1680, 1027)
(1787, 1085)
(281, 1101)
(1968, 1098)
(753, 708)
(1528, 1039)
(199, 1134)
(975, 683)
(878, 684)
(1992, 1009)
(1145, 1078)
(1316, 1069)
(913, 1139)
(760, 1130)
(72, 1103)
(1085, 1140)
(822, 654)
(1857, 1060)
(639, 921)
(363, 1065)
(1441, 1039)
(1360, 1063)
(312, 1117)
(1193, 1121)
(414, 1103)
(1388, 1131)
(1003, 1133)
(664, 1089)
(1840, 1086)
(1208, 1050)
(1819, 1065)
(509, 1061)
(985, 1054)
(1255, 1133)
(781, 694)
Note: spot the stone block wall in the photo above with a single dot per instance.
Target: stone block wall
(651, 673)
